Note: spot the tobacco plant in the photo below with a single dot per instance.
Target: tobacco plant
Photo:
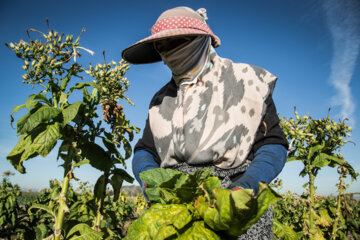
(50, 65)
(316, 143)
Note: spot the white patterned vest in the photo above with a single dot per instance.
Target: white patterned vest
(213, 121)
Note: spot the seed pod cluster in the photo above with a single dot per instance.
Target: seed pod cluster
(44, 62)
(305, 132)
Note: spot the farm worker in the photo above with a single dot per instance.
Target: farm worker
(213, 113)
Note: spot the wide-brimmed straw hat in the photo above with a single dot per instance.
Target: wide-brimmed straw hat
(175, 22)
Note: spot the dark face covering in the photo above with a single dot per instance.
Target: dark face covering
(185, 56)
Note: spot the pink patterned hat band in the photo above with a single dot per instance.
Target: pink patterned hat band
(180, 22)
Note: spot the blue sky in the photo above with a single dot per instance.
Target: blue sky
(312, 46)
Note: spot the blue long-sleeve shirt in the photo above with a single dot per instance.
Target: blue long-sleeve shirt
(267, 163)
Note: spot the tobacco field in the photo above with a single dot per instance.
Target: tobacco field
(94, 130)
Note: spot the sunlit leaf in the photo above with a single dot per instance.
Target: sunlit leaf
(70, 112)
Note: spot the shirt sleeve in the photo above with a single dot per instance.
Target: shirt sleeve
(142, 161)
(268, 162)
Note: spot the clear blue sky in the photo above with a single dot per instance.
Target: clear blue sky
(312, 46)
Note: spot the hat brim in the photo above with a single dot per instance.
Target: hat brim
(144, 52)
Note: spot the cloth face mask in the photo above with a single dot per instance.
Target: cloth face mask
(186, 59)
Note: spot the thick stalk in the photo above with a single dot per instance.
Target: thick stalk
(62, 207)
(338, 208)
(311, 204)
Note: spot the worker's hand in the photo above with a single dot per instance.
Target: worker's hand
(236, 188)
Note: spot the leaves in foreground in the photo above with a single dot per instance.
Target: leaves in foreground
(196, 207)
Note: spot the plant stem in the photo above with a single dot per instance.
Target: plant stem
(311, 203)
(338, 208)
(62, 207)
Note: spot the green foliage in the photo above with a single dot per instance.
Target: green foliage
(50, 65)
(316, 143)
(291, 216)
(195, 205)
(8, 206)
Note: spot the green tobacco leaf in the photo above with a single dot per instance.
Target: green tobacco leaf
(65, 80)
(80, 86)
(169, 186)
(99, 188)
(42, 207)
(44, 142)
(82, 231)
(23, 120)
(198, 231)
(31, 103)
(314, 149)
(123, 174)
(320, 161)
(220, 216)
(284, 232)
(99, 159)
(70, 112)
(41, 231)
(244, 219)
(324, 218)
(208, 185)
(334, 158)
(116, 182)
(41, 115)
(110, 146)
(41, 141)
(15, 155)
(159, 222)
(153, 178)
(16, 109)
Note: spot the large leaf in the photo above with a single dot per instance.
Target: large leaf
(40, 142)
(263, 200)
(82, 231)
(126, 176)
(99, 159)
(198, 231)
(116, 182)
(23, 120)
(166, 185)
(320, 161)
(16, 109)
(235, 211)
(159, 222)
(99, 187)
(15, 155)
(284, 232)
(220, 216)
(153, 178)
(41, 231)
(119, 175)
(42, 207)
(30, 101)
(45, 141)
(41, 115)
(70, 112)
